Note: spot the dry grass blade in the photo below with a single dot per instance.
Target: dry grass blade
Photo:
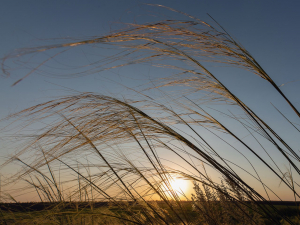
(127, 152)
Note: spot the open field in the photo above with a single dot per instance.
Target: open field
(99, 213)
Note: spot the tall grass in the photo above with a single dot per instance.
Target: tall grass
(127, 151)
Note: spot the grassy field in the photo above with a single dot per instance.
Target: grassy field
(103, 213)
(128, 151)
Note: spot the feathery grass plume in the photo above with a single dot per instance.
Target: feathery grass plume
(117, 136)
(127, 152)
(226, 205)
(192, 41)
(188, 42)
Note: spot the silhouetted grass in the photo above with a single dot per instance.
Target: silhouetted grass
(101, 148)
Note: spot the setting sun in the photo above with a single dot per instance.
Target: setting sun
(179, 185)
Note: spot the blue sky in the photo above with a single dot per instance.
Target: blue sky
(267, 29)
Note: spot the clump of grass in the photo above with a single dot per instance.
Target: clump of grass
(102, 148)
(226, 204)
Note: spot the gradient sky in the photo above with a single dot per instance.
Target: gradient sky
(268, 29)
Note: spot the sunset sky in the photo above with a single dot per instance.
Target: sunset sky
(268, 29)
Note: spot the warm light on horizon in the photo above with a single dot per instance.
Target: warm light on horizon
(179, 185)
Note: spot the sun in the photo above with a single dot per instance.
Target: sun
(179, 185)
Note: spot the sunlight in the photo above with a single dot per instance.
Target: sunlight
(179, 185)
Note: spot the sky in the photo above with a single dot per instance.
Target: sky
(267, 29)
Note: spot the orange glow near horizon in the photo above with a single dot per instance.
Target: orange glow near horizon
(180, 186)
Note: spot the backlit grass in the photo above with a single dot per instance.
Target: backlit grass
(130, 151)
